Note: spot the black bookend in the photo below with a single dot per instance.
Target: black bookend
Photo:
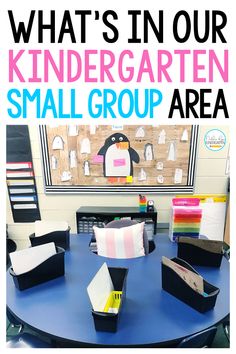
(176, 286)
(105, 321)
(50, 269)
(192, 251)
(60, 238)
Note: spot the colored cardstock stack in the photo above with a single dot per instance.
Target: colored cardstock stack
(185, 218)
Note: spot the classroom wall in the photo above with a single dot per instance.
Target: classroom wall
(210, 179)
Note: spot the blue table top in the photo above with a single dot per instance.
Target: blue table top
(61, 307)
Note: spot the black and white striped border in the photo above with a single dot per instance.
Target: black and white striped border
(45, 155)
(184, 189)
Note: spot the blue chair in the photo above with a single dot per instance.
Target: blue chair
(22, 339)
(26, 340)
(226, 327)
(10, 247)
(118, 224)
(14, 322)
(202, 339)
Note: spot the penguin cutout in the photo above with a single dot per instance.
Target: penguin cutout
(160, 165)
(142, 176)
(160, 179)
(148, 152)
(72, 158)
(118, 156)
(172, 152)
(54, 162)
(58, 143)
(73, 130)
(85, 146)
(184, 136)
(93, 129)
(66, 176)
(140, 133)
(86, 168)
(162, 137)
(178, 176)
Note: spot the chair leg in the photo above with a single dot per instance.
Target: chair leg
(226, 331)
(20, 327)
(14, 322)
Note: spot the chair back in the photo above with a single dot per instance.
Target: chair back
(202, 339)
(118, 224)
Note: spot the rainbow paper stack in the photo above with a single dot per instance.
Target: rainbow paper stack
(142, 203)
(186, 218)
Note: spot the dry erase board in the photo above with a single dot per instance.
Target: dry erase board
(128, 159)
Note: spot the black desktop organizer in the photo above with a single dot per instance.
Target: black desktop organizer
(85, 224)
(50, 269)
(105, 321)
(87, 217)
(198, 256)
(60, 238)
(176, 286)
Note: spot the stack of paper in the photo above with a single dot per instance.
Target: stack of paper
(100, 288)
(185, 218)
(27, 259)
(45, 227)
(208, 245)
(195, 281)
(213, 215)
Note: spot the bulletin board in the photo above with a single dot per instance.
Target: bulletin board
(126, 159)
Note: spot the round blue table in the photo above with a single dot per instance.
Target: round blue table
(150, 316)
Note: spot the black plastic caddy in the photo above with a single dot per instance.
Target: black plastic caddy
(176, 286)
(105, 321)
(196, 255)
(52, 268)
(60, 238)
